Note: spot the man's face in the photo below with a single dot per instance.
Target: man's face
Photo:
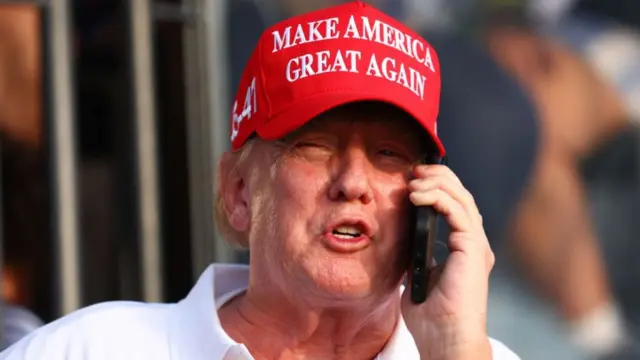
(329, 206)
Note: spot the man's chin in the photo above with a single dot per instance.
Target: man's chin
(347, 288)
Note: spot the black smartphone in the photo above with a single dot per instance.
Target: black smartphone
(424, 239)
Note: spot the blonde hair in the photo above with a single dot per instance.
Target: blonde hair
(232, 236)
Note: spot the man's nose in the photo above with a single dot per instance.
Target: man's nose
(351, 178)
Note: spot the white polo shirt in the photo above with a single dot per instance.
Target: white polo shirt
(188, 330)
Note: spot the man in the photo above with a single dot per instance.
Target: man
(334, 112)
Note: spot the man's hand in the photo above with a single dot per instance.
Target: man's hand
(451, 323)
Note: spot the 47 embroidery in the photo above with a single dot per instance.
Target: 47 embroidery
(249, 109)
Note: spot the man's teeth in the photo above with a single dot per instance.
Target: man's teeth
(346, 232)
(346, 237)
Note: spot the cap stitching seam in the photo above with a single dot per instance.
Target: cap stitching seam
(263, 79)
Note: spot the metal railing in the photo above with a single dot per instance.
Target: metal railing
(63, 153)
(146, 154)
(206, 91)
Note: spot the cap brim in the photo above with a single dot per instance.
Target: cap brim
(304, 111)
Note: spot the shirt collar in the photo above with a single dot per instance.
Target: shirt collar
(196, 332)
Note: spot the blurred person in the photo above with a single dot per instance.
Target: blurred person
(320, 183)
(22, 196)
(612, 49)
(554, 240)
(20, 134)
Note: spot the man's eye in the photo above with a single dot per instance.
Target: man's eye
(391, 153)
(312, 149)
(302, 144)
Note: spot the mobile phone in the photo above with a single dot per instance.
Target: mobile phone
(424, 239)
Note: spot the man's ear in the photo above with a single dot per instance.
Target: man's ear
(233, 189)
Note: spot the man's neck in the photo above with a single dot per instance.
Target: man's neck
(277, 329)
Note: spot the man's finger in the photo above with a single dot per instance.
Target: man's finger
(453, 189)
(455, 214)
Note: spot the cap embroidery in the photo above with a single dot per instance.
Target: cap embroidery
(249, 109)
(339, 59)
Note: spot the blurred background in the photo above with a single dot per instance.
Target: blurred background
(113, 114)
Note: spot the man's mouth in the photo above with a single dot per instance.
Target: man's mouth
(348, 236)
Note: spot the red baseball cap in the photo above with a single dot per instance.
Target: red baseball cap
(314, 62)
